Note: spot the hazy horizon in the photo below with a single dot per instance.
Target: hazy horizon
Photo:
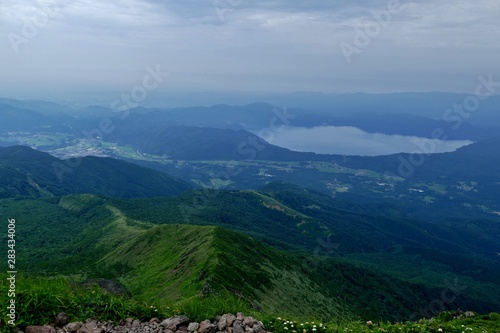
(56, 49)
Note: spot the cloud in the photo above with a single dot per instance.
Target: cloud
(260, 45)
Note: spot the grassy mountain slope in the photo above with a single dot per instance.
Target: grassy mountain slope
(25, 172)
(180, 265)
(183, 264)
(173, 264)
(168, 263)
(294, 218)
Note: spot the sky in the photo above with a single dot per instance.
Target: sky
(53, 47)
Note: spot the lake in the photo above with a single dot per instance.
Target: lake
(345, 140)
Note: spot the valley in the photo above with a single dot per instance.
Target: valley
(342, 176)
(183, 215)
(97, 237)
(265, 166)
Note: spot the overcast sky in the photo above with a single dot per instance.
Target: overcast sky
(248, 45)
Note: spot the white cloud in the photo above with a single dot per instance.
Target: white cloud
(259, 45)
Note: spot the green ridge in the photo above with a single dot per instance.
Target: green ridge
(178, 265)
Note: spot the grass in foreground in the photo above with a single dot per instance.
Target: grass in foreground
(446, 322)
(38, 300)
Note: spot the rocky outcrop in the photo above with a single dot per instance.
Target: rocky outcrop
(227, 323)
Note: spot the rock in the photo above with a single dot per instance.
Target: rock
(40, 329)
(207, 327)
(90, 327)
(222, 324)
(73, 327)
(230, 318)
(181, 320)
(193, 327)
(61, 319)
(174, 322)
(257, 328)
(227, 323)
(108, 285)
(85, 329)
(166, 323)
(250, 321)
(182, 329)
(238, 326)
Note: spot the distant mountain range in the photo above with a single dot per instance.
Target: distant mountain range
(333, 248)
(205, 143)
(276, 204)
(223, 213)
(25, 172)
(478, 162)
(402, 114)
